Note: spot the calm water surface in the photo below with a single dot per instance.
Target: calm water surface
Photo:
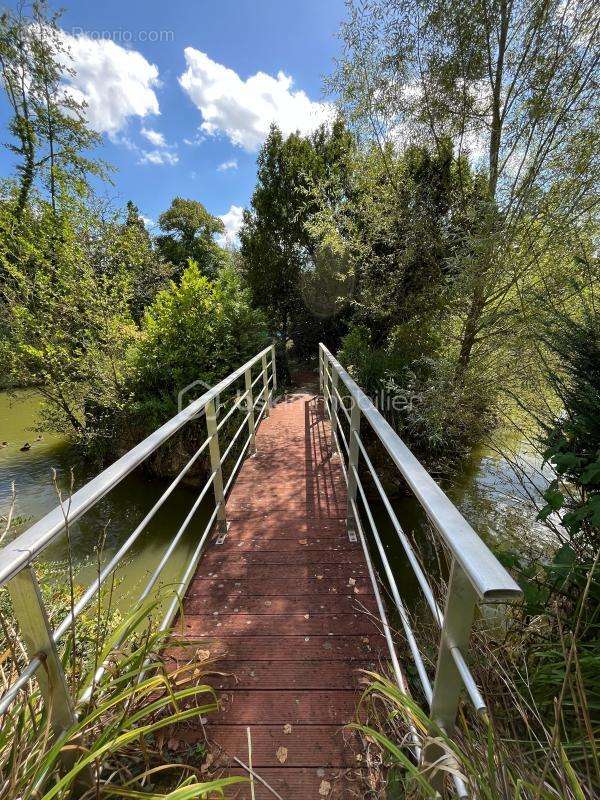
(32, 475)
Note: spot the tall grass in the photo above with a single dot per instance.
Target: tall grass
(520, 748)
(116, 747)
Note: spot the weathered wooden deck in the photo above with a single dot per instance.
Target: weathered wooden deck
(283, 601)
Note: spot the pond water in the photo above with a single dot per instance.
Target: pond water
(35, 487)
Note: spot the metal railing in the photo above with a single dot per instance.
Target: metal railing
(476, 576)
(16, 558)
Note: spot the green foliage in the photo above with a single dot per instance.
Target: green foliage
(197, 329)
(572, 440)
(188, 231)
(48, 125)
(66, 325)
(293, 266)
(129, 249)
(118, 739)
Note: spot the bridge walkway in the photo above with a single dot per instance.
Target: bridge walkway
(286, 604)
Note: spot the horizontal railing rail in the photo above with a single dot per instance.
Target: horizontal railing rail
(476, 576)
(17, 557)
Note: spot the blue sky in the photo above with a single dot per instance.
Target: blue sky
(183, 91)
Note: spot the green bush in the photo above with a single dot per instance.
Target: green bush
(197, 329)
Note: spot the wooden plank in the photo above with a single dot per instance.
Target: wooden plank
(301, 783)
(276, 587)
(294, 648)
(333, 544)
(314, 707)
(314, 746)
(283, 604)
(293, 572)
(266, 527)
(290, 674)
(219, 624)
(216, 562)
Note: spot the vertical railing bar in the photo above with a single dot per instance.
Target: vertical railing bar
(334, 411)
(274, 367)
(215, 462)
(353, 456)
(321, 369)
(459, 614)
(34, 628)
(30, 614)
(250, 401)
(410, 637)
(265, 383)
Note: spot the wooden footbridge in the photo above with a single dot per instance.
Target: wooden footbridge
(281, 588)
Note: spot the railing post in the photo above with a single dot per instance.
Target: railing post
(215, 463)
(265, 383)
(333, 400)
(459, 614)
(250, 403)
(321, 371)
(353, 454)
(274, 368)
(34, 627)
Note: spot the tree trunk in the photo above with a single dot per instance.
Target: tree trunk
(470, 331)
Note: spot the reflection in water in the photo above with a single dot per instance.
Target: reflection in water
(118, 513)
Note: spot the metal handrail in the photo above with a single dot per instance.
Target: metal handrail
(489, 578)
(28, 545)
(17, 556)
(476, 576)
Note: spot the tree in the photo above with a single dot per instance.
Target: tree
(48, 121)
(129, 247)
(188, 234)
(513, 86)
(67, 326)
(571, 439)
(195, 329)
(299, 180)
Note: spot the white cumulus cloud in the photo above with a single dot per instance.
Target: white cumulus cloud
(226, 165)
(154, 137)
(233, 222)
(159, 158)
(115, 83)
(243, 110)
